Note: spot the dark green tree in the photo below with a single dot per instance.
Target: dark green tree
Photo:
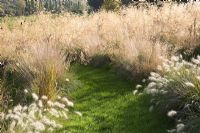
(95, 4)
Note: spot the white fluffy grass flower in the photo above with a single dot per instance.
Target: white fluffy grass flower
(59, 105)
(40, 104)
(36, 117)
(135, 92)
(67, 79)
(196, 61)
(35, 96)
(151, 85)
(38, 126)
(25, 91)
(50, 103)
(172, 113)
(189, 84)
(66, 101)
(78, 113)
(138, 86)
(180, 127)
(44, 97)
(70, 104)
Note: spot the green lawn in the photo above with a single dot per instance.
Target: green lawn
(108, 105)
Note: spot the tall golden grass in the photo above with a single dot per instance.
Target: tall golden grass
(43, 65)
(136, 37)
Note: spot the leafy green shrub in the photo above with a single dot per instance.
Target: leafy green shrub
(112, 5)
(127, 2)
(95, 4)
(176, 91)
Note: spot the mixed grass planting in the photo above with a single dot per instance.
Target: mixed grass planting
(95, 54)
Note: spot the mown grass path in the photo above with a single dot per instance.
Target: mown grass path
(109, 106)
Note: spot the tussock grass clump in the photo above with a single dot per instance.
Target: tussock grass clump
(37, 68)
(177, 90)
(43, 65)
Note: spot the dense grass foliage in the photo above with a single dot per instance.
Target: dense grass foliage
(108, 105)
(37, 51)
(177, 90)
(142, 37)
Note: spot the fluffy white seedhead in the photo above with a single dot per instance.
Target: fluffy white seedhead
(172, 113)
(67, 80)
(50, 103)
(78, 113)
(180, 127)
(189, 84)
(70, 104)
(66, 101)
(25, 91)
(178, 79)
(59, 105)
(138, 86)
(36, 117)
(38, 126)
(40, 104)
(58, 97)
(135, 92)
(44, 97)
(196, 61)
(35, 96)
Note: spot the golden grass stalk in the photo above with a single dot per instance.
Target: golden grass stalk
(138, 36)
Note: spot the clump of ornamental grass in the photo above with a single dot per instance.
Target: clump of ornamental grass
(42, 66)
(176, 91)
(141, 37)
(42, 115)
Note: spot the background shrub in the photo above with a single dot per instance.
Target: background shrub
(112, 5)
(95, 4)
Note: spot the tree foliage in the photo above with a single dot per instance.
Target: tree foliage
(111, 5)
(27, 7)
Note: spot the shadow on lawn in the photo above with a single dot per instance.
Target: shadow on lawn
(108, 105)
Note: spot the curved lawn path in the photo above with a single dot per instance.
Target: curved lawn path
(109, 106)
